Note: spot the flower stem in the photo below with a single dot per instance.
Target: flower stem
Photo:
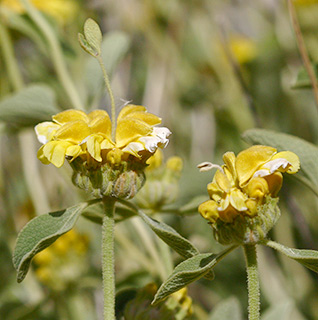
(108, 260)
(56, 53)
(252, 282)
(111, 96)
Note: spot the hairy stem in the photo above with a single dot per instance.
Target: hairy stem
(108, 260)
(252, 282)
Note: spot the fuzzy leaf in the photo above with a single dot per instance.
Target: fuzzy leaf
(227, 309)
(40, 233)
(188, 271)
(308, 258)
(170, 236)
(85, 45)
(306, 151)
(28, 107)
(93, 35)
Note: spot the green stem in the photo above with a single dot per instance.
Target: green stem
(252, 282)
(108, 260)
(111, 96)
(56, 53)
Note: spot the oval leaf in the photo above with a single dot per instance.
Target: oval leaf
(188, 271)
(306, 151)
(28, 107)
(41, 232)
(227, 309)
(93, 35)
(170, 236)
(308, 258)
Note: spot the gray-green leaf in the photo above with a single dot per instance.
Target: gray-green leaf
(40, 233)
(170, 236)
(306, 151)
(28, 107)
(308, 258)
(227, 309)
(188, 271)
(93, 35)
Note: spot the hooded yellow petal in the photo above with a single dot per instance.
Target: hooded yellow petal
(100, 123)
(75, 131)
(149, 118)
(257, 188)
(229, 161)
(249, 160)
(125, 111)
(70, 115)
(130, 129)
(275, 182)
(209, 211)
(292, 158)
(237, 200)
(74, 151)
(55, 152)
(222, 181)
(42, 157)
(45, 131)
(214, 191)
(93, 144)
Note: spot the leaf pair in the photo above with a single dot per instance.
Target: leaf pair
(92, 39)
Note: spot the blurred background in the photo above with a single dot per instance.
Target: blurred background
(211, 70)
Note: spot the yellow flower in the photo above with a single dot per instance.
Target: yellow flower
(243, 49)
(74, 134)
(244, 182)
(61, 10)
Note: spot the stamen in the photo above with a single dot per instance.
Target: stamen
(207, 166)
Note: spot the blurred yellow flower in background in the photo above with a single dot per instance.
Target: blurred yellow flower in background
(305, 2)
(243, 49)
(61, 10)
(162, 183)
(244, 182)
(74, 134)
(63, 262)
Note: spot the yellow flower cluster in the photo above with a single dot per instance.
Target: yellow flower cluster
(61, 10)
(242, 184)
(63, 261)
(74, 134)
